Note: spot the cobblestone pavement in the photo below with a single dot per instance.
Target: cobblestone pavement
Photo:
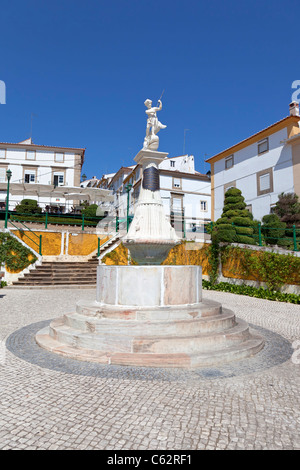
(49, 402)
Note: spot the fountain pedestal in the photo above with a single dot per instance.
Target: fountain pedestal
(150, 236)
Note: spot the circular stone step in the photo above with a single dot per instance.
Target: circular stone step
(172, 326)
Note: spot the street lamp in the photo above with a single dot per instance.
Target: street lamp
(8, 174)
(128, 188)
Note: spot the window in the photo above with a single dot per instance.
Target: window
(59, 157)
(172, 163)
(203, 205)
(264, 181)
(2, 153)
(229, 162)
(29, 177)
(58, 179)
(176, 183)
(263, 146)
(30, 155)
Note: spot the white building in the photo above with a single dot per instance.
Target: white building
(184, 191)
(37, 170)
(261, 166)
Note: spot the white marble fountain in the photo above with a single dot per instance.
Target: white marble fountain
(149, 314)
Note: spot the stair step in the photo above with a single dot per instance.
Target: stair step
(60, 271)
(192, 361)
(56, 273)
(160, 328)
(120, 341)
(235, 352)
(55, 282)
(45, 278)
(48, 265)
(94, 309)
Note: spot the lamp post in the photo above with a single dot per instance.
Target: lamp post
(128, 188)
(8, 174)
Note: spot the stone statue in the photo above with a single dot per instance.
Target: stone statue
(151, 140)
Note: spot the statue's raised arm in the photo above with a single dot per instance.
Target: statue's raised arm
(159, 107)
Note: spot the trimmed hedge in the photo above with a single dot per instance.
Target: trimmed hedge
(250, 291)
(236, 222)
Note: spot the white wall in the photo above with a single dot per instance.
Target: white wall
(44, 164)
(247, 163)
(184, 163)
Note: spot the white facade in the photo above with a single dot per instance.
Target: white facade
(262, 167)
(184, 163)
(33, 165)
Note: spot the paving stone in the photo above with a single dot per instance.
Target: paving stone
(50, 402)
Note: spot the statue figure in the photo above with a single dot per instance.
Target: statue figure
(153, 125)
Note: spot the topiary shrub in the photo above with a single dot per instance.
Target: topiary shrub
(236, 222)
(28, 206)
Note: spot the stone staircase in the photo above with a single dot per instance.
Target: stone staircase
(65, 273)
(61, 274)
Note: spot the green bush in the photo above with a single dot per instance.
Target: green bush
(244, 231)
(288, 209)
(28, 206)
(273, 229)
(225, 233)
(252, 291)
(243, 221)
(55, 220)
(90, 211)
(232, 199)
(244, 239)
(236, 222)
(234, 206)
(13, 254)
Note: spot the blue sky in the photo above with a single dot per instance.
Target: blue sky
(84, 69)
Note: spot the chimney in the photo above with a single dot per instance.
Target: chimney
(294, 108)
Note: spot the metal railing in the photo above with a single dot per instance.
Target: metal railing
(109, 229)
(273, 234)
(39, 237)
(283, 237)
(46, 219)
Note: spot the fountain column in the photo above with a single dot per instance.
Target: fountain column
(150, 236)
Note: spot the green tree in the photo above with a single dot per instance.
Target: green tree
(288, 209)
(90, 211)
(273, 230)
(28, 206)
(236, 222)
